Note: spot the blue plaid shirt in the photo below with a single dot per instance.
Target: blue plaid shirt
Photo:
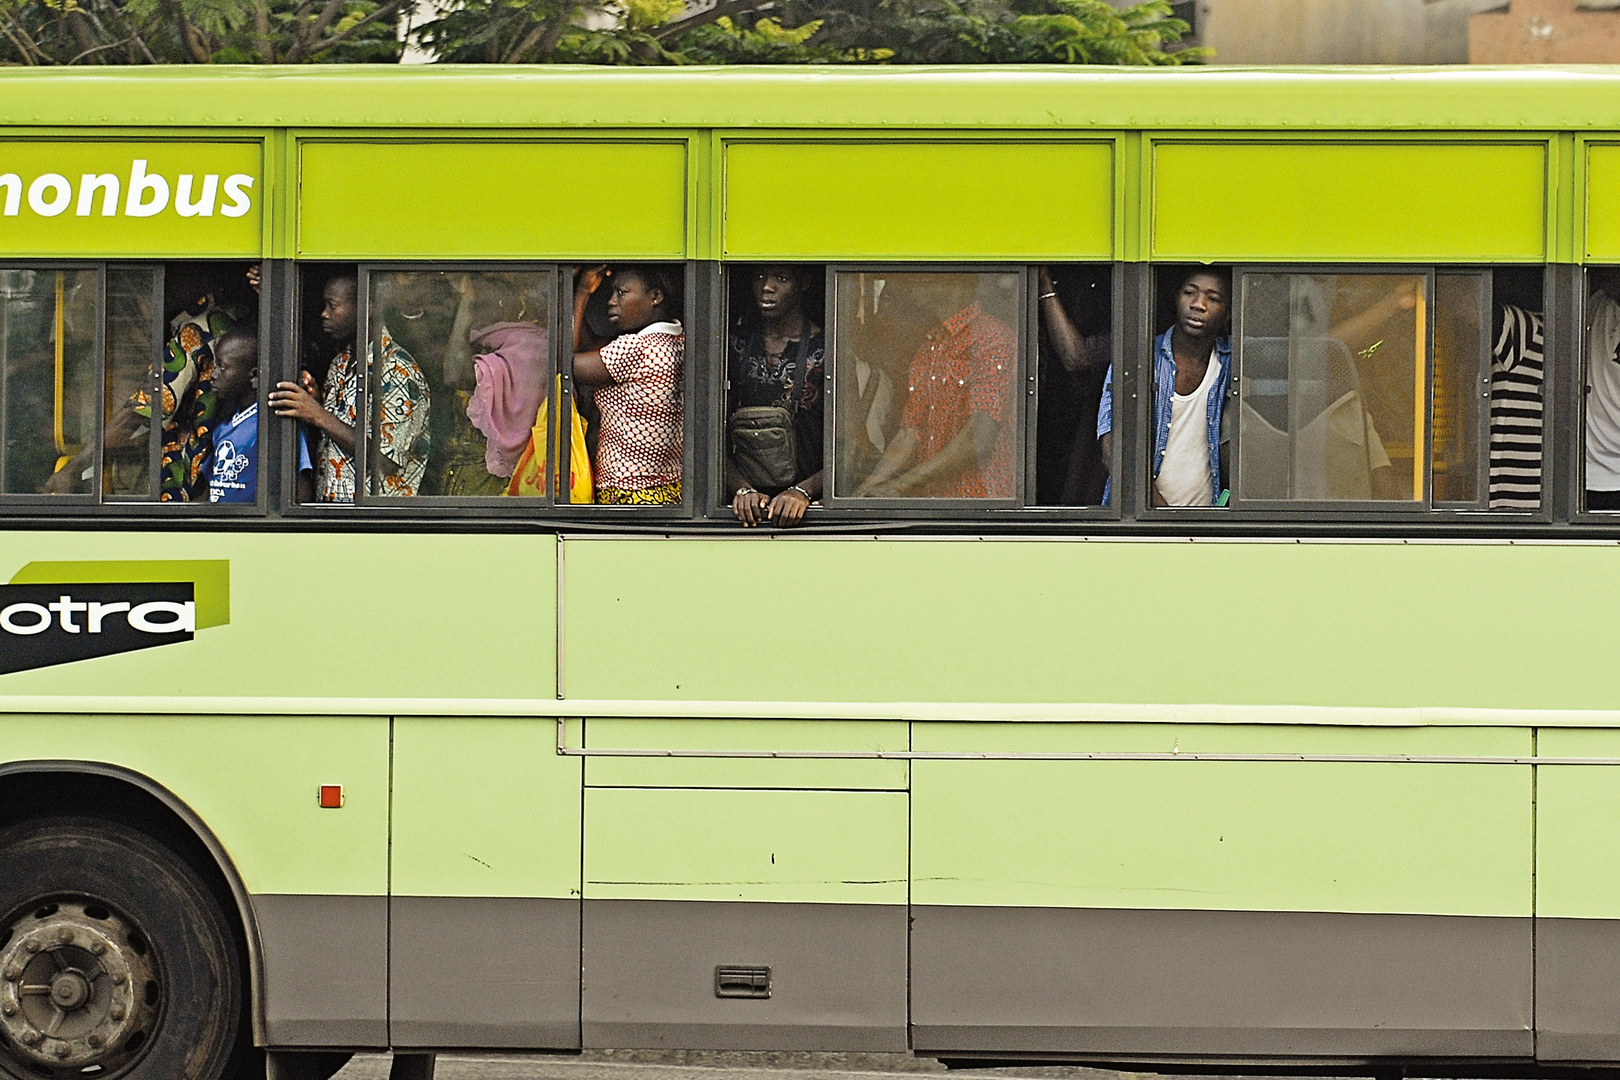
(1164, 387)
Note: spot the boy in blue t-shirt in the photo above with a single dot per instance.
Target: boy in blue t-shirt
(232, 467)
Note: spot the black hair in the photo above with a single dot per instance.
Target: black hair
(247, 334)
(351, 280)
(1220, 274)
(666, 279)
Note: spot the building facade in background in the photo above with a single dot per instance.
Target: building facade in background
(1405, 31)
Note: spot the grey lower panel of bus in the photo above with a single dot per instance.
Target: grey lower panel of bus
(1248, 984)
(1578, 989)
(486, 972)
(838, 975)
(325, 969)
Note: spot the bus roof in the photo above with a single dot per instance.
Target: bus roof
(1540, 98)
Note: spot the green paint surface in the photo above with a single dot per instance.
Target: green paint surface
(1603, 203)
(917, 200)
(1381, 625)
(530, 200)
(818, 847)
(723, 735)
(1265, 836)
(1578, 826)
(253, 780)
(504, 97)
(211, 579)
(359, 615)
(1367, 201)
(164, 233)
(484, 807)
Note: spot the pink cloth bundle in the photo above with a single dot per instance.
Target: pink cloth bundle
(511, 385)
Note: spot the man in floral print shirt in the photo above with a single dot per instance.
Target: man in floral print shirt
(400, 446)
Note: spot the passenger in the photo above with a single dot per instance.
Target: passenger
(1085, 357)
(400, 453)
(1192, 368)
(499, 394)
(231, 471)
(1517, 372)
(638, 377)
(882, 347)
(1603, 397)
(776, 373)
(955, 437)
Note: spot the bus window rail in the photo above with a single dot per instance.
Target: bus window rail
(564, 750)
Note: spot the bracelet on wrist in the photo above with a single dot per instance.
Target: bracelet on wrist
(744, 491)
(1048, 295)
(807, 496)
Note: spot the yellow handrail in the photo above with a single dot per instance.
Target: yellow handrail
(57, 418)
(1420, 383)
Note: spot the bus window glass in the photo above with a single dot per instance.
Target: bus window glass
(460, 383)
(1333, 387)
(775, 409)
(133, 297)
(926, 396)
(1461, 399)
(48, 398)
(1603, 389)
(1076, 347)
(625, 427)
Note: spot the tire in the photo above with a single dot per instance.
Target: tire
(115, 960)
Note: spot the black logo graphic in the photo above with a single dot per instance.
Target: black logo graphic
(43, 625)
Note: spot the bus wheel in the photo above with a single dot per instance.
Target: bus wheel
(114, 959)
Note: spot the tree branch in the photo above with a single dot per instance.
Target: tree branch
(704, 18)
(304, 40)
(391, 7)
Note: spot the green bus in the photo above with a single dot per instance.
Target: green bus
(1117, 668)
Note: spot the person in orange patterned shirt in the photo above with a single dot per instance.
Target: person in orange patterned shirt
(955, 438)
(400, 449)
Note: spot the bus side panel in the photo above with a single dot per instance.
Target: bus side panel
(806, 887)
(887, 200)
(317, 878)
(446, 205)
(1344, 624)
(1603, 203)
(484, 942)
(1350, 201)
(1246, 908)
(1577, 899)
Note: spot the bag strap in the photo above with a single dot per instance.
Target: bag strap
(798, 375)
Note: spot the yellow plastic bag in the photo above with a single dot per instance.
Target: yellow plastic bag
(529, 478)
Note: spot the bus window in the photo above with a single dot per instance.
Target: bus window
(1333, 387)
(926, 395)
(461, 377)
(324, 397)
(1075, 349)
(1192, 372)
(775, 408)
(1517, 366)
(133, 345)
(626, 423)
(1603, 389)
(48, 369)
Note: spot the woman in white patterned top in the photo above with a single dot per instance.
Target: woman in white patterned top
(638, 376)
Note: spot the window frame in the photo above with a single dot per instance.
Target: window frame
(95, 502)
(1579, 512)
(1365, 512)
(937, 507)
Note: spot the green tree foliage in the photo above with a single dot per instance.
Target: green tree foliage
(52, 32)
(808, 31)
(57, 32)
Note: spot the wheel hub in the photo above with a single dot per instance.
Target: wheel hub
(77, 988)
